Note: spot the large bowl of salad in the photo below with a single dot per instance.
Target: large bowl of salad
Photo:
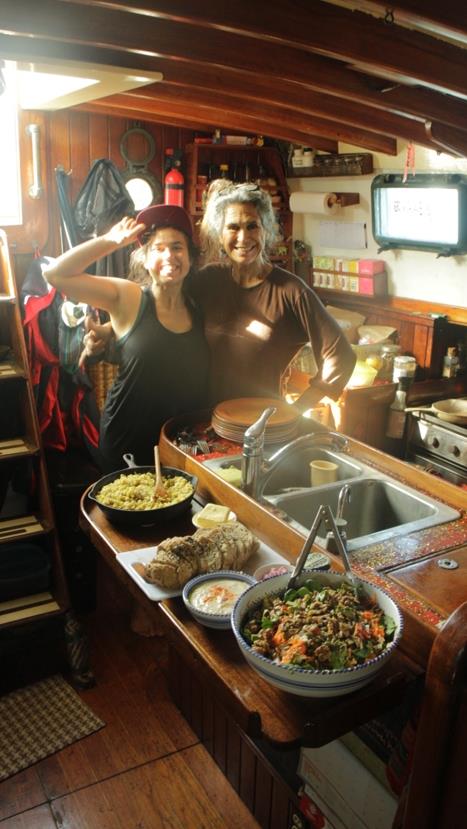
(327, 637)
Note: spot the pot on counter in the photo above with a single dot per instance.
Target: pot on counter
(142, 518)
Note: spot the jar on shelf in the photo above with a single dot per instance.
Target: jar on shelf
(405, 366)
(388, 353)
(297, 158)
(450, 363)
(308, 156)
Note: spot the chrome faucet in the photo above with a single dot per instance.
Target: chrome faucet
(253, 453)
(256, 469)
(343, 499)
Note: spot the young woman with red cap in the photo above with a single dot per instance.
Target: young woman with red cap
(162, 354)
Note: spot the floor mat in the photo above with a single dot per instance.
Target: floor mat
(39, 720)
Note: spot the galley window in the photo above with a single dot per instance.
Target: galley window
(10, 172)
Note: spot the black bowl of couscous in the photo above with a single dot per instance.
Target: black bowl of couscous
(127, 496)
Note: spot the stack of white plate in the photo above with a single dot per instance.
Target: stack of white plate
(232, 418)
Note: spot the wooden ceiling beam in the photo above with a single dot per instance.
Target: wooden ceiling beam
(298, 120)
(328, 77)
(296, 100)
(437, 64)
(311, 25)
(205, 119)
(197, 100)
(446, 20)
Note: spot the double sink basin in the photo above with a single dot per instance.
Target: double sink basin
(377, 507)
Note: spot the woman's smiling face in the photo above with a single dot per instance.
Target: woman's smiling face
(243, 235)
(167, 257)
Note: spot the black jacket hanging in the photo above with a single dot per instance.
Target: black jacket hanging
(102, 201)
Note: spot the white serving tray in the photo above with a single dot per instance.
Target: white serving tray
(265, 555)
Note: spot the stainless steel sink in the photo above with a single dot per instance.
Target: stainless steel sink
(294, 471)
(379, 509)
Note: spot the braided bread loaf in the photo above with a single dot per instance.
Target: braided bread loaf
(178, 559)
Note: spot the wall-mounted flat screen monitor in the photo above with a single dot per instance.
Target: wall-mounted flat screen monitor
(427, 212)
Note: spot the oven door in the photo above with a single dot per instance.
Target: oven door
(443, 469)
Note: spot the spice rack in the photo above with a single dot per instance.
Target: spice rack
(245, 163)
(335, 164)
(364, 277)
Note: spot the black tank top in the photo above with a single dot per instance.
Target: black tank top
(161, 374)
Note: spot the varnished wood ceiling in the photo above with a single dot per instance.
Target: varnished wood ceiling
(308, 71)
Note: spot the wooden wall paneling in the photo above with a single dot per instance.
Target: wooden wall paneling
(79, 151)
(233, 755)
(185, 694)
(247, 775)
(207, 735)
(174, 676)
(263, 795)
(117, 127)
(220, 738)
(421, 345)
(197, 692)
(60, 156)
(280, 807)
(98, 137)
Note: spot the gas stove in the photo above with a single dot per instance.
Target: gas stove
(438, 446)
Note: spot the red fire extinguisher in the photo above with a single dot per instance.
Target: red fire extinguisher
(174, 186)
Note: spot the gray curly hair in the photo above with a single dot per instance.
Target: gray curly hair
(223, 194)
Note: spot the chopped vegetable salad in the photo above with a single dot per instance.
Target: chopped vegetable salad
(320, 627)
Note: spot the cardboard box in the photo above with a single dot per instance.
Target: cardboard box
(347, 787)
(371, 266)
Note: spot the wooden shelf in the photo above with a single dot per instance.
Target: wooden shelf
(335, 164)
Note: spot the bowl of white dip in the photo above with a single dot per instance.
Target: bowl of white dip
(211, 597)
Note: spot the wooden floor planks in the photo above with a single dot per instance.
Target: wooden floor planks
(145, 769)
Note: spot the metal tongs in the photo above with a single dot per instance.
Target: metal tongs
(324, 513)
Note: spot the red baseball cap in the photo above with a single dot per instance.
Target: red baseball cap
(164, 215)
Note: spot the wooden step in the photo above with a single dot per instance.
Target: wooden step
(15, 528)
(27, 607)
(15, 447)
(10, 369)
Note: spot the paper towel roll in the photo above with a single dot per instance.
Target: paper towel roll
(314, 203)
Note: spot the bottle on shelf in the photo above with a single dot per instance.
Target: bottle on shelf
(395, 427)
(450, 363)
(223, 171)
(247, 170)
(174, 185)
(396, 419)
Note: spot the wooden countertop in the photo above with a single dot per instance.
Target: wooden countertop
(403, 568)
(422, 616)
(258, 708)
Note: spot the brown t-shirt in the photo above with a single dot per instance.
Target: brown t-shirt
(254, 333)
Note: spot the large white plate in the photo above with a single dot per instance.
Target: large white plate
(265, 555)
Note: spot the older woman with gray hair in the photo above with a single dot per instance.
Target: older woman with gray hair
(258, 316)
